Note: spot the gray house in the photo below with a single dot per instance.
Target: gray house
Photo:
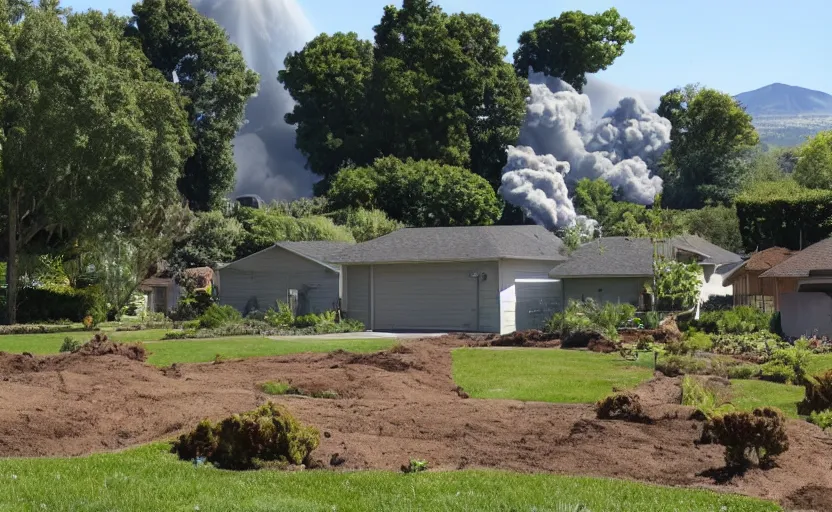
(295, 272)
(618, 269)
(487, 278)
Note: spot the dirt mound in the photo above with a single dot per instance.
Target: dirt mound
(100, 345)
(529, 338)
(16, 363)
(603, 346)
(582, 339)
(391, 407)
(811, 497)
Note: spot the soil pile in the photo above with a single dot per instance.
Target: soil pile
(392, 407)
(100, 345)
(529, 338)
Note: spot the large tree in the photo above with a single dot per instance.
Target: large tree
(814, 167)
(711, 133)
(421, 193)
(572, 45)
(93, 138)
(212, 75)
(433, 87)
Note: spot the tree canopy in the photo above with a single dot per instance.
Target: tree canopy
(212, 76)
(711, 132)
(572, 45)
(433, 86)
(814, 167)
(93, 138)
(420, 193)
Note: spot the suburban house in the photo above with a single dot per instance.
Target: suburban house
(750, 290)
(161, 290)
(298, 273)
(805, 307)
(620, 269)
(484, 279)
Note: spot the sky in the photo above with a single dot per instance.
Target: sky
(731, 45)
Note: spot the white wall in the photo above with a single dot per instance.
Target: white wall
(510, 271)
(806, 314)
(712, 281)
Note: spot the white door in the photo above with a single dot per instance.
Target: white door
(431, 296)
(537, 300)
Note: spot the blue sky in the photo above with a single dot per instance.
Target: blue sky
(732, 45)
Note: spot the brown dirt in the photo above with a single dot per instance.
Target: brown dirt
(391, 407)
(530, 338)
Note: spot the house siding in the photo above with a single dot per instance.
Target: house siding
(612, 289)
(510, 271)
(356, 299)
(269, 275)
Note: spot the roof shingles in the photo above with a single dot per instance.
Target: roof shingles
(422, 245)
(609, 257)
(813, 258)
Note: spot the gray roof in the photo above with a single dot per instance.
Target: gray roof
(615, 256)
(323, 252)
(418, 245)
(713, 254)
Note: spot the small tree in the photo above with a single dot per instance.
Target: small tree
(678, 282)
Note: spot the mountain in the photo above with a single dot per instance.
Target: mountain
(785, 100)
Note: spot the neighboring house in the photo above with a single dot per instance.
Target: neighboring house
(299, 273)
(620, 269)
(806, 310)
(162, 292)
(482, 279)
(750, 290)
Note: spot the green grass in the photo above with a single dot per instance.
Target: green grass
(544, 375)
(150, 479)
(275, 388)
(746, 395)
(165, 353)
(819, 363)
(43, 344)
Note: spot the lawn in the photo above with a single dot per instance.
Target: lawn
(819, 363)
(50, 343)
(150, 479)
(165, 353)
(746, 395)
(544, 375)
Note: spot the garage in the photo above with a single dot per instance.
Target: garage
(536, 301)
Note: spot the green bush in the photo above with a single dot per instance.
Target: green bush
(818, 395)
(269, 434)
(651, 320)
(310, 320)
(70, 345)
(739, 320)
(822, 419)
(589, 316)
(40, 305)
(279, 388)
(281, 317)
(787, 364)
(756, 436)
(621, 406)
(675, 365)
(191, 307)
(778, 372)
(744, 371)
(761, 343)
(706, 400)
(698, 341)
(217, 316)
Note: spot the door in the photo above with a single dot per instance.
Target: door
(430, 297)
(160, 299)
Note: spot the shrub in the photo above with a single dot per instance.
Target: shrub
(776, 324)
(651, 320)
(247, 441)
(415, 466)
(621, 406)
(673, 366)
(281, 318)
(718, 303)
(760, 343)
(40, 305)
(179, 335)
(818, 395)
(279, 388)
(588, 316)
(748, 437)
(788, 363)
(70, 345)
(706, 400)
(778, 372)
(698, 341)
(739, 320)
(645, 343)
(744, 371)
(218, 316)
(192, 306)
(822, 419)
(310, 320)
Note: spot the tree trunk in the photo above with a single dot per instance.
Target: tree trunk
(11, 266)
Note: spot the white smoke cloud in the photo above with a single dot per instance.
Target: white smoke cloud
(605, 96)
(560, 144)
(266, 31)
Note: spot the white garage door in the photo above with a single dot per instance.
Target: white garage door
(434, 296)
(537, 301)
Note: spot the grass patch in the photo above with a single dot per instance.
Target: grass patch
(819, 363)
(277, 388)
(44, 344)
(747, 395)
(544, 375)
(165, 353)
(150, 479)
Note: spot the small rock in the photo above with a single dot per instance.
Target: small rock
(336, 460)
(327, 435)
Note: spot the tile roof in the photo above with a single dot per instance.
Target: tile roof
(420, 245)
(813, 258)
(609, 257)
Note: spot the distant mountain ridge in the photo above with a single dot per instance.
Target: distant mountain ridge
(785, 100)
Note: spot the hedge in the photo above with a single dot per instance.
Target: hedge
(38, 305)
(784, 214)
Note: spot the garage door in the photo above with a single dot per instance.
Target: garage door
(537, 301)
(440, 297)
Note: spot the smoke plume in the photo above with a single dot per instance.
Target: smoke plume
(619, 149)
(266, 31)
